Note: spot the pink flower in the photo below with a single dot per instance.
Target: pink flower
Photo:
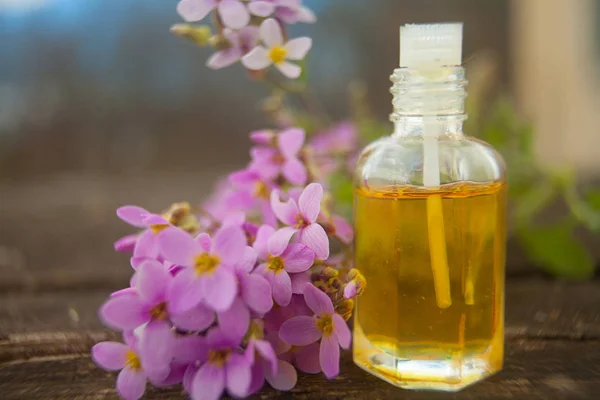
(148, 304)
(302, 218)
(270, 162)
(241, 42)
(145, 245)
(265, 366)
(281, 259)
(337, 226)
(223, 367)
(277, 52)
(288, 11)
(114, 356)
(254, 296)
(233, 13)
(325, 325)
(208, 275)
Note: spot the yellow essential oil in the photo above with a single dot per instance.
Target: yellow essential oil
(401, 334)
(429, 214)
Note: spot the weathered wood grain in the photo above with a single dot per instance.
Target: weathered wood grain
(552, 350)
(535, 369)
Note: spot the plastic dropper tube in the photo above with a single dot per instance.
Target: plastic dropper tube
(431, 47)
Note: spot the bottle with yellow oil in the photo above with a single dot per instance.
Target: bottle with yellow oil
(430, 220)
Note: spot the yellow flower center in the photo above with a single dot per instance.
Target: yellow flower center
(261, 190)
(300, 222)
(218, 357)
(206, 263)
(325, 324)
(275, 264)
(133, 361)
(278, 54)
(159, 312)
(158, 228)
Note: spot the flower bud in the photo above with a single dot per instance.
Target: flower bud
(200, 35)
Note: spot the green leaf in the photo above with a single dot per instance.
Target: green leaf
(534, 200)
(593, 198)
(342, 188)
(555, 250)
(581, 209)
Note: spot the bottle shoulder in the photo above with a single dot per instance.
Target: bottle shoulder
(399, 160)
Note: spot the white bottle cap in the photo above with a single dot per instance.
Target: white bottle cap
(431, 45)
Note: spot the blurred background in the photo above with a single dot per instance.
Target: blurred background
(101, 106)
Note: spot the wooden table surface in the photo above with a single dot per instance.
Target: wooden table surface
(57, 266)
(552, 350)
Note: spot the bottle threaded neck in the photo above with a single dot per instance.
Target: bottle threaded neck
(432, 93)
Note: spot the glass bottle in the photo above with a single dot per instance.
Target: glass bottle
(430, 223)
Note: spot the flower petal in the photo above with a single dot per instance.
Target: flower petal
(341, 331)
(184, 293)
(256, 292)
(224, 58)
(300, 331)
(290, 70)
(246, 263)
(305, 14)
(258, 378)
(229, 244)
(267, 352)
(235, 320)
(238, 375)
(152, 281)
(189, 349)
(188, 377)
(133, 215)
(295, 171)
(270, 33)
(310, 201)
(262, 238)
(146, 245)
(195, 319)
(298, 258)
(317, 301)
(126, 244)
(131, 383)
(329, 356)
(307, 358)
(290, 141)
(299, 281)
(286, 376)
(220, 288)
(314, 236)
(261, 8)
(110, 355)
(287, 212)
(204, 241)
(278, 345)
(281, 285)
(297, 48)
(156, 349)
(257, 58)
(177, 246)
(208, 384)
(195, 10)
(124, 312)
(343, 229)
(233, 14)
(279, 241)
(350, 290)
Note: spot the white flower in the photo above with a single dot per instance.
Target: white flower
(277, 52)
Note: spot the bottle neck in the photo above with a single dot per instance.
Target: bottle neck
(428, 101)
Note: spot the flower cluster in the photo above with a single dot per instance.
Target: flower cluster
(253, 32)
(244, 290)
